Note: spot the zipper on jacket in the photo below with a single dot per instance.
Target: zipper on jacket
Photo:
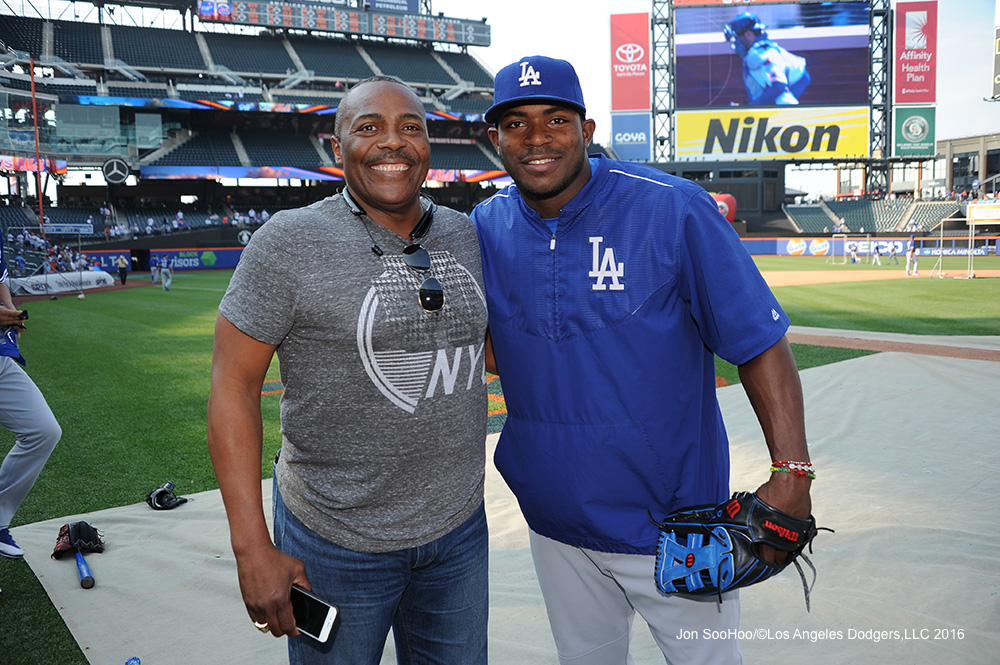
(552, 243)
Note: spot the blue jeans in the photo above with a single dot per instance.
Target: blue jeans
(434, 597)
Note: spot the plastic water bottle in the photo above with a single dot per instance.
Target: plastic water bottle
(134, 660)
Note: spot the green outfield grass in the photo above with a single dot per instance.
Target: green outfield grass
(951, 265)
(919, 306)
(127, 375)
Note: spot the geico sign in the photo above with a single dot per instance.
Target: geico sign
(773, 133)
(630, 137)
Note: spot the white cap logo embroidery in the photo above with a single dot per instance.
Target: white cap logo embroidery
(528, 75)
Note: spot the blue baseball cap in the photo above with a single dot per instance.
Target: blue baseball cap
(534, 80)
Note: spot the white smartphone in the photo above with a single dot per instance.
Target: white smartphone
(313, 615)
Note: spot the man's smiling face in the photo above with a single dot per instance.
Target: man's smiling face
(544, 149)
(383, 144)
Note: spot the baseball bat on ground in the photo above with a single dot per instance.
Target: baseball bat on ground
(83, 570)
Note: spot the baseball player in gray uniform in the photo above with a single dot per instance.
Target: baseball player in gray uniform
(24, 412)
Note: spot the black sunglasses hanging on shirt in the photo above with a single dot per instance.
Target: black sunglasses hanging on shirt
(430, 295)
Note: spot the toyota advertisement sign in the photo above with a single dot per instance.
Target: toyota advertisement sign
(630, 62)
(631, 87)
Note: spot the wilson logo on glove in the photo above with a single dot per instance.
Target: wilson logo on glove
(733, 508)
(708, 550)
(782, 532)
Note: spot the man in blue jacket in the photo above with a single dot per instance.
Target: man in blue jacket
(610, 286)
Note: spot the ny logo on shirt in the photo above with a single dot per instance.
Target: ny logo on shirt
(528, 75)
(605, 267)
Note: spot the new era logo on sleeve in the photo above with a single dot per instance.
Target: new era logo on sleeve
(529, 75)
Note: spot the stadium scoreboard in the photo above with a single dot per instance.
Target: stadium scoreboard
(327, 17)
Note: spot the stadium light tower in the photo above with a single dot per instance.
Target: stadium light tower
(663, 97)
(879, 96)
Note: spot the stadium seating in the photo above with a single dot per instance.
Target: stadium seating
(250, 56)
(78, 43)
(467, 68)
(146, 91)
(298, 97)
(77, 88)
(330, 57)
(926, 216)
(23, 34)
(414, 65)
(203, 149)
(64, 215)
(810, 218)
(873, 216)
(456, 156)
(157, 48)
(278, 148)
(219, 93)
(69, 215)
(14, 217)
(477, 105)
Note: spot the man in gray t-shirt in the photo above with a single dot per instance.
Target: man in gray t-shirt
(373, 302)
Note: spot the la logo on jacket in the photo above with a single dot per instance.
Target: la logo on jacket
(605, 267)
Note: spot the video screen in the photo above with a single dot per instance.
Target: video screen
(813, 54)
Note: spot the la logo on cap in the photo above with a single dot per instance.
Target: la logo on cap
(528, 75)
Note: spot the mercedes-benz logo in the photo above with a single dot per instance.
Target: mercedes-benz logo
(116, 170)
(629, 53)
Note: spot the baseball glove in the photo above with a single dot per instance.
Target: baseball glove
(163, 497)
(77, 536)
(709, 550)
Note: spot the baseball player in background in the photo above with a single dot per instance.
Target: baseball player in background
(166, 271)
(771, 74)
(24, 412)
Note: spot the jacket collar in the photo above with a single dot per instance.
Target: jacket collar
(600, 167)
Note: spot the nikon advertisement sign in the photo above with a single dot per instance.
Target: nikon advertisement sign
(784, 132)
(914, 131)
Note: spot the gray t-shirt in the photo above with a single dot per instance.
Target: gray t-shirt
(384, 407)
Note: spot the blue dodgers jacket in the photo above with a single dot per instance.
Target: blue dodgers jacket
(604, 334)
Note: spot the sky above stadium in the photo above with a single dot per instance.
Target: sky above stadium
(581, 35)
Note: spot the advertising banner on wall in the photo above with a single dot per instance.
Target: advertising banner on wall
(996, 62)
(786, 132)
(982, 213)
(200, 259)
(914, 131)
(631, 82)
(916, 52)
(631, 136)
